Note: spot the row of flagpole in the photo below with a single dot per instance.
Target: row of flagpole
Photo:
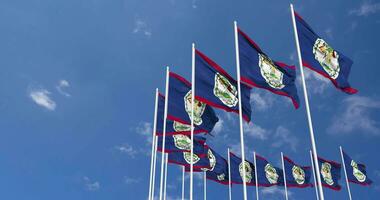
(313, 152)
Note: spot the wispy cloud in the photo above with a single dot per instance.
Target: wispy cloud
(194, 4)
(218, 127)
(141, 27)
(261, 100)
(42, 98)
(316, 83)
(91, 185)
(356, 116)
(366, 8)
(284, 138)
(130, 180)
(127, 149)
(256, 131)
(145, 129)
(62, 85)
(271, 191)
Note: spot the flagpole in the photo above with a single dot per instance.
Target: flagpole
(164, 132)
(166, 174)
(204, 186)
(313, 145)
(183, 182)
(256, 179)
(153, 143)
(314, 177)
(192, 118)
(284, 174)
(240, 110)
(345, 172)
(229, 175)
(154, 166)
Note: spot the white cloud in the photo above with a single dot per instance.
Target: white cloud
(315, 82)
(356, 116)
(91, 185)
(366, 8)
(218, 127)
(145, 129)
(194, 4)
(284, 138)
(275, 191)
(41, 97)
(127, 149)
(255, 131)
(142, 28)
(261, 100)
(129, 180)
(62, 84)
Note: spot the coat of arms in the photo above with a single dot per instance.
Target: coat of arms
(360, 176)
(298, 174)
(182, 142)
(271, 174)
(326, 173)
(327, 57)
(248, 171)
(180, 127)
(199, 108)
(187, 157)
(225, 91)
(269, 71)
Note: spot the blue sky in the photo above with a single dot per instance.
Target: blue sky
(77, 88)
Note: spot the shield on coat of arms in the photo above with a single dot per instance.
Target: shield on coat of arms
(248, 171)
(199, 108)
(182, 142)
(327, 57)
(180, 127)
(326, 173)
(359, 175)
(269, 71)
(187, 157)
(298, 174)
(225, 91)
(271, 174)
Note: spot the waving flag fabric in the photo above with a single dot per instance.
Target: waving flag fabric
(356, 172)
(181, 143)
(172, 127)
(200, 161)
(296, 175)
(330, 173)
(267, 174)
(217, 88)
(179, 107)
(237, 171)
(218, 168)
(258, 70)
(322, 58)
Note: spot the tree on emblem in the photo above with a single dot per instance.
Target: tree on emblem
(180, 127)
(360, 176)
(326, 173)
(271, 174)
(182, 142)
(199, 108)
(327, 57)
(298, 174)
(187, 157)
(269, 71)
(248, 171)
(225, 91)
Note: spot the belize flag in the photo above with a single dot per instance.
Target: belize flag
(322, 58)
(217, 88)
(181, 143)
(237, 171)
(258, 70)
(330, 173)
(296, 175)
(179, 106)
(200, 161)
(267, 174)
(356, 172)
(172, 127)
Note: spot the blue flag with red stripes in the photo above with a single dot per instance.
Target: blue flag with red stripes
(258, 70)
(330, 173)
(215, 87)
(172, 127)
(181, 143)
(296, 175)
(179, 106)
(237, 171)
(267, 174)
(356, 172)
(322, 58)
(200, 161)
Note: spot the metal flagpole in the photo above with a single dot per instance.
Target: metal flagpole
(166, 174)
(240, 110)
(345, 172)
(256, 179)
(192, 118)
(183, 182)
(313, 145)
(229, 175)
(153, 145)
(314, 176)
(164, 132)
(154, 166)
(284, 174)
(204, 186)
